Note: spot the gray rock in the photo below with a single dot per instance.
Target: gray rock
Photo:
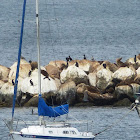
(67, 93)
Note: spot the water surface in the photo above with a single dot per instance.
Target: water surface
(127, 129)
(104, 29)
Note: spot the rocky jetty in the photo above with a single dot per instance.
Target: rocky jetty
(77, 82)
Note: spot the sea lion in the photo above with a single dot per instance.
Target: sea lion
(120, 63)
(34, 65)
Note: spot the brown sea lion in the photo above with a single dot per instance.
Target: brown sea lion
(34, 65)
(120, 63)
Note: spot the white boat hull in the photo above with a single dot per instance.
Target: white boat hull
(33, 137)
(51, 133)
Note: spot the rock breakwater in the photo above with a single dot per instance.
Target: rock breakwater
(77, 82)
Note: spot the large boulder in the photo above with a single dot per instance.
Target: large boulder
(135, 87)
(1, 83)
(22, 61)
(75, 74)
(23, 71)
(67, 93)
(58, 63)
(101, 99)
(104, 78)
(137, 79)
(111, 66)
(30, 84)
(7, 89)
(123, 102)
(135, 61)
(83, 64)
(93, 95)
(32, 102)
(7, 92)
(138, 71)
(23, 98)
(124, 91)
(82, 92)
(124, 73)
(53, 71)
(94, 66)
(58, 83)
(4, 72)
(92, 79)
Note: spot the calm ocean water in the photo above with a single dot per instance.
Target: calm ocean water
(104, 29)
(127, 129)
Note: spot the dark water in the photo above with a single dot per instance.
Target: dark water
(127, 129)
(104, 29)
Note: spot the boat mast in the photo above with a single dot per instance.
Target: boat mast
(19, 56)
(38, 47)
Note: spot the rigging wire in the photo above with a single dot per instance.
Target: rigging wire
(70, 115)
(115, 123)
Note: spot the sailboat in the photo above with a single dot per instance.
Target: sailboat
(43, 130)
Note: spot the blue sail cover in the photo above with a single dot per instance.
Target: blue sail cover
(45, 110)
